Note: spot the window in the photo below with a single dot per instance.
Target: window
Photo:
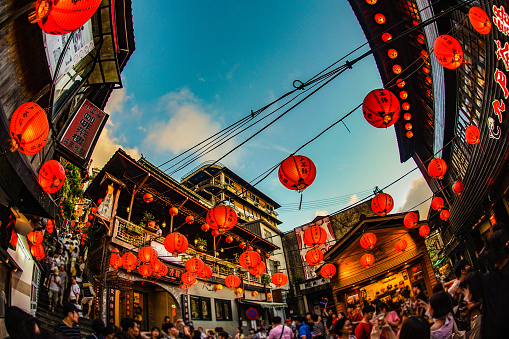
(200, 308)
(267, 235)
(223, 309)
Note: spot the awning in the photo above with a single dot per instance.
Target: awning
(263, 304)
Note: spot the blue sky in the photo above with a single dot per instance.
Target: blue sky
(202, 65)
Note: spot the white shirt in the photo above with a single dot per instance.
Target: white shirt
(454, 287)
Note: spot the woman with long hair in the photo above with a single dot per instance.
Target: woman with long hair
(343, 329)
(155, 333)
(414, 327)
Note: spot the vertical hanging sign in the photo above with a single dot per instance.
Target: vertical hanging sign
(185, 308)
(111, 305)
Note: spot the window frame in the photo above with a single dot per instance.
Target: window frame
(200, 300)
(222, 303)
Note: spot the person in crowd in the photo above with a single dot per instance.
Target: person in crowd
(47, 262)
(54, 289)
(414, 327)
(308, 320)
(302, 328)
(196, 334)
(238, 333)
(166, 325)
(88, 297)
(78, 267)
(406, 305)
(69, 325)
(159, 231)
(223, 335)
(390, 316)
(343, 329)
(202, 334)
(74, 292)
(419, 297)
(173, 333)
(353, 314)
(21, 325)
(211, 333)
(279, 331)
(327, 316)
(155, 333)
(440, 310)
(363, 330)
(98, 328)
(439, 286)
(64, 281)
(473, 292)
(461, 269)
(319, 331)
(291, 325)
(262, 333)
(130, 329)
(111, 331)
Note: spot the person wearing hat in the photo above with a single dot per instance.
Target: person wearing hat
(69, 325)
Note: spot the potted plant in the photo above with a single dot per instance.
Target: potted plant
(148, 219)
(201, 244)
(265, 279)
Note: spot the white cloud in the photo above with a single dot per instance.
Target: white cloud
(231, 73)
(417, 193)
(116, 101)
(106, 146)
(353, 199)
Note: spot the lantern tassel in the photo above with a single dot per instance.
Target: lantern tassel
(482, 149)
(300, 204)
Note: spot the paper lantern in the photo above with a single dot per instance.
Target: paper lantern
(297, 172)
(29, 129)
(392, 53)
(37, 251)
(267, 256)
(218, 287)
(411, 219)
(221, 218)
(64, 16)
(448, 51)
(367, 260)
(175, 243)
(444, 215)
(396, 69)
(479, 20)
(228, 239)
(147, 197)
(409, 134)
(424, 54)
(314, 236)
(421, 39)
(249, 259)
(400, 83)
(232, 281)
(401, 245)
(382, 204)
(258, 270)
(408, 126)
(163, 272)
(206, 272)
(88, 224)
(381, 108)
(437, 168)
(380, 18)
(407, 116)
(205, 227)
(426, 69)
(173, 211)
(49, 226)
(188, 278)
(279, 279)
(405, 106)
(115, 259)
(145, 270)
(157, 267)
(327, 271)
(473, 135)
(93, 209)
(242, 245)
(314, 256)
(424, 231)
(194, 265)
(254, 293)
(386, 37)
(437, 203)
(368, 241)
(214, 233)
(35, 237)
(147, 255)
(371, 2)
(51, 176)
(403, 95)
(457, 187)
(189, 219)
(129, 261)
(90, 217)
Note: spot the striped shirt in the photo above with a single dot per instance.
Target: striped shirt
(69, 332)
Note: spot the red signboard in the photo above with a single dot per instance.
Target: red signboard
(83, 131)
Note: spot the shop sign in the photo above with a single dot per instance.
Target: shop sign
(83, 131)
(185, 307)
(111, 305)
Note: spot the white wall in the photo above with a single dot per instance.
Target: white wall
(21, 280)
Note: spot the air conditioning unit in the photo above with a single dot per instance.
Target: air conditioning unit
(277, 263)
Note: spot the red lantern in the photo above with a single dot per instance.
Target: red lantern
(242, 245)
(228, 239)
(403, 95)
(221, 218)
(437, 203)
(371, 2)
(175, 243)
(367, 260)
(279, 279)
(400, 83)
(49, 226)
(35, 237)
(147, 255)
(51, 176)
(90, 217)
(162, 272)
(232, 281)
(314, 236)
(314, 256)
(249, 259)
(188, 278)
(214, 233)
(115, 259)
(381, 108)
(424, 231)
(380, 18)
(421, 39)
(401, 245)
(174, 211)
(444, 215)
(29, 129)
(411, 219)
(405, 106)
(205, 227)
(382, 204)
(426, 69)
(147, 197)
(267, 256)
(94, 209)
(99, 201)
(479, 20)
(397, 69)
(297, 172)
(194, 265)
(392, 53)
(448, 51)
(409, 134)
(327, 271)
(63, 16)
(407, 116)
(37, 251)
(258, 270)
(386, 37)
(368, 241)
(145, 270)
(157, 267)
(408, 126)
(437, 168)
(189, 219)
(457, 187)
(473, 135)
(206, 272)
(129, 261)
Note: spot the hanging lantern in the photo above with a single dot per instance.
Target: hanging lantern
(371, 2)
(382, 204)
(314, 236)
(232, 281)
(368, 241)
(228, 239)
(189, 219)
(400, 83)
(218, 287)
(145, 270)
(206, 272)
(88, 224)
(457, 187)
(426, 69)
(409, 134)
(176, 243)
(258, 270)
(267, 256)
(242, 245)
(269, 296)
(401, 245)
(214, 233)
(239, 291)
(162, 272)
(403, 95)
(437, 168)
(408, 126)
(380, 18)
(327, 271)
(147, 255)
(407, 116)
(93, 209)
(421, 39)
(35, 237)
(381, 108)
(279, 279)
(90, 217)
(479, 20)
(367, 260)
(405, 106)
(188, 278)
(424, 54)
(297, 172)
(205, 227)
(157, 267)
(115, 259)
(473, 135)
(63, 16)
(37, 251)
(392, 53)
(424, 231)
(173, 211)
(411, 220)
(444, 215)
(448, 51)
(254, 293)
(249, 248)
(129, 261)
(396, 69)
(29, 129)
(437, 203)
(386, 37)
(249, 259)
(147, 197)
(51, 176)
(49, 226)
(221, 218)
(194, 265)
(314, 256)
